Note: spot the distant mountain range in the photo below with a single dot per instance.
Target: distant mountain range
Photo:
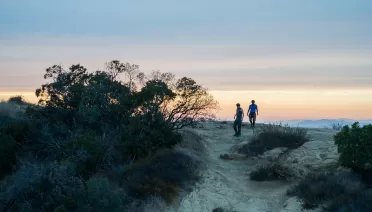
(324, 123)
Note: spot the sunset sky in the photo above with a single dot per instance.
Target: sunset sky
(297, 59)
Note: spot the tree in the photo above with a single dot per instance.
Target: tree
(19, 100)
(131, 72)
(192, 103)
(66, 87)
(101, 95)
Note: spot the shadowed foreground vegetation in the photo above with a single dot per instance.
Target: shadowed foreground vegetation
(343, 191)
(100, 141)
(348, 190)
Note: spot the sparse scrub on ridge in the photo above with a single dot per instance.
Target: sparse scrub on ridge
(93, 133)
(271, 136)
(337, 126)
(332, 191)
(18, 100)
(271, 171)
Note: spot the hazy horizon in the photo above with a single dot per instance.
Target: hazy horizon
(298, 60)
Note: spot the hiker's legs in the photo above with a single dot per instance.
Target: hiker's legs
(239, 127)
(235, 129)
(254, 119)
(250, 119)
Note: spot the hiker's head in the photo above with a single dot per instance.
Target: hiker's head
(237, 105)
(253, 101)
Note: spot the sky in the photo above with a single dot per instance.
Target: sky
(297, 59)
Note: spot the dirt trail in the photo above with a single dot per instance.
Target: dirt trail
(226, 183)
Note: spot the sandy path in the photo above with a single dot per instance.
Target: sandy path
(226, 183)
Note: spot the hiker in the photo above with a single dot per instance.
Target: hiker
(239, 115)
(253, 109)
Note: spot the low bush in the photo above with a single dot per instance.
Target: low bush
(337, 126)
(162, 174)
(354, 146)
(18, 129)
(145, 135)
(359, 202)
(102, 195)
(9, 109)
(220, 209)
(41, 187)
(8, 154)
(18, 100)
(271, 171)
(329, 190)
(271, 136)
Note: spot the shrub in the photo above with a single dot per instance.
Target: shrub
(8, 154)
(272, 171)
(271, 136)
(18, 129)
(162, 174)
(220, 209)
(328, 190)
(19, 100)
(9, 110)
(360, 202)
(84, 150)
(102, 195)
(337, 126)
(354, 145)
(146, 134)
(42, 187)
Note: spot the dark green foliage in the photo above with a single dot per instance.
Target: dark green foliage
(8, 154)
(331, 190)
(271, 136)
(85, 151)
(355, 146)
(102, 195)
(146, 134)
(220, 209)
(77, 144)
(359, 202)
(268, 172)
(18, 100)
(42, 187)
(18, 129)
(162, 174)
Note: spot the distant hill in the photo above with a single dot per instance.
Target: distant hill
(324, 123)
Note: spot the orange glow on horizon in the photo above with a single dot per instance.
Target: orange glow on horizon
(282, 104)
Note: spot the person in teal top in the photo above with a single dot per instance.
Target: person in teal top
(252, 113)
(238, 119)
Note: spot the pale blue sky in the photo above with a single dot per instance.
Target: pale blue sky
(224, 45)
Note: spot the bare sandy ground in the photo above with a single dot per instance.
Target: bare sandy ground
(226, 183)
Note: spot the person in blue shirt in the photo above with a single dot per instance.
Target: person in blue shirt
(252, 113)
(239, 115)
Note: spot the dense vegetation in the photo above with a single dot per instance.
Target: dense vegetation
(355, 147)
(100, 140)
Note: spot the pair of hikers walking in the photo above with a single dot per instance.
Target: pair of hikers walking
(239, 116)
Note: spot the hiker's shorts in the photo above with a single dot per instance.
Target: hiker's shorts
(252, 116)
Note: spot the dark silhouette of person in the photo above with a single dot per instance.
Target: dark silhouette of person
(252, 113)
(238, 119)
